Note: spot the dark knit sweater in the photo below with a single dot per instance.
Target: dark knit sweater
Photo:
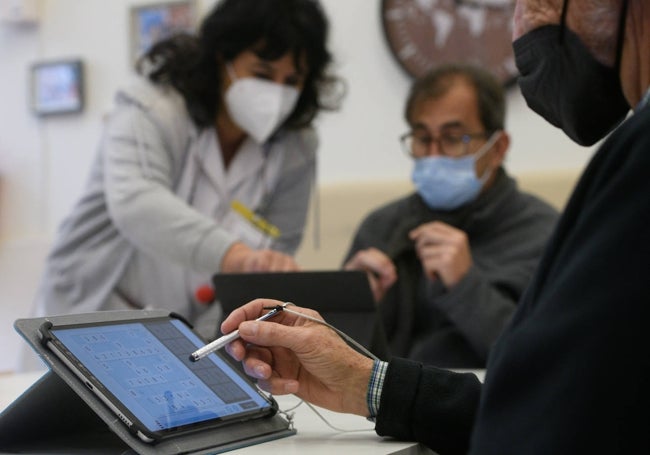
(507, 231)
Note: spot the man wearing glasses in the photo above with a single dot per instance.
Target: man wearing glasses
(448, 263)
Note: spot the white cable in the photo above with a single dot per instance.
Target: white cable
(342, 334)
(357, 430)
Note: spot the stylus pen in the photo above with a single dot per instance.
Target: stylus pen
(224, 340)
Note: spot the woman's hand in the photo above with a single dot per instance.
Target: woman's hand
(241, 259)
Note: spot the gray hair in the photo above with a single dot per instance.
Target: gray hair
(436, 83)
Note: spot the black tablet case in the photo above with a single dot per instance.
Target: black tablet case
(58, 414)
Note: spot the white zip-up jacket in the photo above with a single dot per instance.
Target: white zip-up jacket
(155, 220)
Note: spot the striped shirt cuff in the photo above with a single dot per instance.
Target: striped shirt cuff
(375, 387)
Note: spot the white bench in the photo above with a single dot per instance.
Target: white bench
(344, 205)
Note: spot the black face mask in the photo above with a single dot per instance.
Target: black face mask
(566, 85)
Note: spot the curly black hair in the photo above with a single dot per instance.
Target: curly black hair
(270, 28)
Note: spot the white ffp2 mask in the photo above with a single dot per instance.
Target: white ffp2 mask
(259, 106)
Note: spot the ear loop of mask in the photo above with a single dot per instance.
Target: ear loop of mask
(565, 8)
(231, 73)
(486, 148)
(622, 22)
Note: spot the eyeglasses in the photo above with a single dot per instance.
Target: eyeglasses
(418, 145)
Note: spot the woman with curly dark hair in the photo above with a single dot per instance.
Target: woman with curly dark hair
(206, 164)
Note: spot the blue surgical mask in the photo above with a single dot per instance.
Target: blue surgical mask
(446, 183)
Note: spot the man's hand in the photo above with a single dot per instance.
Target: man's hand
(240, 258)
(381, 270)
(291, 354)
(443, 250)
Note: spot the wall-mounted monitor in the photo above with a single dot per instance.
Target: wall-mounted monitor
(57, 87)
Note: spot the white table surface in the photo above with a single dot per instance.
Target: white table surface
(314, 436)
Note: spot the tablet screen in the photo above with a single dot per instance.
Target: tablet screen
(145, 366)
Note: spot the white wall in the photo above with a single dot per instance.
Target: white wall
(44, 162)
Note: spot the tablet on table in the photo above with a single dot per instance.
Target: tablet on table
(141, 370)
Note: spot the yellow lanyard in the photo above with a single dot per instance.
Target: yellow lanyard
(256, 220)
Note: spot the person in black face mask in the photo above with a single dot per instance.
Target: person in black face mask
(570, 374)
(564, 83)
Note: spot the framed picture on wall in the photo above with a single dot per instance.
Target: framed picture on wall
(57, 87)
(154, 22)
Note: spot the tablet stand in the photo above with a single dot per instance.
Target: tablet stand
(58, 414)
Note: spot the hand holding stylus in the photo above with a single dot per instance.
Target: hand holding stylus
(300, 356)
(224, 340)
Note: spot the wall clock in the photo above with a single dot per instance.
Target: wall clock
(425, 33)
